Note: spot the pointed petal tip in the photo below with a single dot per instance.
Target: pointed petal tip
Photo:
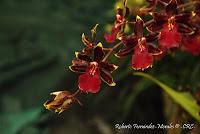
(115, 67)
(150, 66)
(99, 44)
(83, 35)
(76, 54)
(138, 18)
(112, 84)
(46, 105)
(70, 68)
(151, 13)
(194, 13)
(116, 55)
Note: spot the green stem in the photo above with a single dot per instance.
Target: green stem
(111, 50)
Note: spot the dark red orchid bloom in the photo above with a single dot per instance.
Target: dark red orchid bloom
(140, 46)
(93, 68)
(118, 28)
(191, 43)
(171, 25)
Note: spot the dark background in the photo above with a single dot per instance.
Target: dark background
(38, 39)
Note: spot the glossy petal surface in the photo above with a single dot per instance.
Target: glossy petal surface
(141, 59)
(169, 38)
(192, 45)
(89, 83)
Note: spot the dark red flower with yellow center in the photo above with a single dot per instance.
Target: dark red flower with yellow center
(169, 37)
(171, 25)
(139, 45)
(191, 43)
(118, 28)
(94, 69)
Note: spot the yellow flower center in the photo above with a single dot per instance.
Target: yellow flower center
(171, 22)
(93, 68)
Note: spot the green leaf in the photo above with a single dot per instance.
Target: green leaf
(130, 99)
(11, 123)
(184, 99)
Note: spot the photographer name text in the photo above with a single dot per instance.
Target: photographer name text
(154, 126)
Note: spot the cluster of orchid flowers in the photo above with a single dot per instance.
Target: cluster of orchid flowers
(174, 27)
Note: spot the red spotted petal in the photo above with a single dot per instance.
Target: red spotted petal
(107, 66)
(152, 49)
(78, 66)
(107, 78)
(141, 59)
(169, 38)
(152, 37)
(185, 29)
(129, 41)
(82, 56)
(154, 27)
(124, 52)
(192, 44)
(89, 83)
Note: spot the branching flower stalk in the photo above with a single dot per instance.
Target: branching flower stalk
(172, 27)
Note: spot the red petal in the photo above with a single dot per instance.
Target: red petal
(110, 38)
(154, 50)
(192, 44)
(169, 38)
(141, 59)
(107, 78)
(89, 83)
(124, 52)
(160, 56)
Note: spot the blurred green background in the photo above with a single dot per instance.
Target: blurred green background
(38, 39)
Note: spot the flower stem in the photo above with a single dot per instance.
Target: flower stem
(111, 50)
(76, 93)
(162, 2)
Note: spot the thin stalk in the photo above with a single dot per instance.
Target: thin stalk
(111, 50)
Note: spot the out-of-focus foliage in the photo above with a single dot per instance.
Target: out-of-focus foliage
(37, 43)
(18, 121)
(184, 99)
